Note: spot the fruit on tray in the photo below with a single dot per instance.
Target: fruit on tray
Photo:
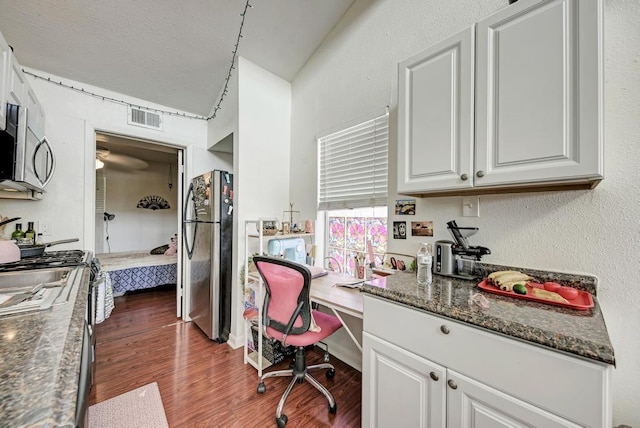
(551, 286)
(547, 295)
(568, 293)
(506, 279)
(519, 289)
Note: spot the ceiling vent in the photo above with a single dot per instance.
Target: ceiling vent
(144, 118)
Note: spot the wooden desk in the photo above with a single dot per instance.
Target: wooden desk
(340, 300)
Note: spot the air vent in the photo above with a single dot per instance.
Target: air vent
(144, 118)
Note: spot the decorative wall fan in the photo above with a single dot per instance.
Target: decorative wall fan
(154, 202)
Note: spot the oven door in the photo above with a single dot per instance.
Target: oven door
(84, 381)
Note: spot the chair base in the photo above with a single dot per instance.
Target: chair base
(299, 374)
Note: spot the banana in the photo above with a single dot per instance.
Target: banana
(508, 286)
(512, 277)
(548, 295)
(493, 276)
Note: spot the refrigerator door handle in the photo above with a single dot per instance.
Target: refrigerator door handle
(189, 247)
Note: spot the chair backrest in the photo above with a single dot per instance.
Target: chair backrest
(286, 301)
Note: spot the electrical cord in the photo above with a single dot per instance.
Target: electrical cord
(107, 238)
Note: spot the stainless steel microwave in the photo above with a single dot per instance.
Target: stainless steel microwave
(26, 160)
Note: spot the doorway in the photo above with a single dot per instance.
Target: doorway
(138, 213)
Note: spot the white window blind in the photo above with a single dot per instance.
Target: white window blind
(353, 166)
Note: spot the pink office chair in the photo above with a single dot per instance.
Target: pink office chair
(288, 317)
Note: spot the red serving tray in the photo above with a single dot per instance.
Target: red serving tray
(583, 300)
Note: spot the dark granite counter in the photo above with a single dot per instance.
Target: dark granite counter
(578, 332)
(40, 362)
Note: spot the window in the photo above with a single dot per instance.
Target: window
(352, 188)
(353, 165)
(349, 233)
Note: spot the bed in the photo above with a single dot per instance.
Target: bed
(129, 271)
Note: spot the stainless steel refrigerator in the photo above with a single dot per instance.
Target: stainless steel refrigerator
(208, 235)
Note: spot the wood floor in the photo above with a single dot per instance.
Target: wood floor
(203, 383)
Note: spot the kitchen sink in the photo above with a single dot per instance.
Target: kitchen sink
(19, 281)
(44, 287)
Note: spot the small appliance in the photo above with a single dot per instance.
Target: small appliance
(290, 248)
(26, 159)
(453, 257)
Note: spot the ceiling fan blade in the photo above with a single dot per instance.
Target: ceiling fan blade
(124, 161)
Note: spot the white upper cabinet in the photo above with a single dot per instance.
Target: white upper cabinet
(17, 86)
(537, 123)
(5, 53)
(435, 116)
(538, 93)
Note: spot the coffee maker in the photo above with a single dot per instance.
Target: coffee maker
(453, 257)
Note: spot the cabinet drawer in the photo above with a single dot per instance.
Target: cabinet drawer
(568, 386)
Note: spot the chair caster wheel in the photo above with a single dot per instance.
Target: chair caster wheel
(333, 409)
(261, 388)
(331, 373)
(326, 357)
(282, 421)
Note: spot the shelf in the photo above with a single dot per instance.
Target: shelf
(252, 358)
(281, 236)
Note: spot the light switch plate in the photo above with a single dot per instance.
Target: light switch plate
(471, 206)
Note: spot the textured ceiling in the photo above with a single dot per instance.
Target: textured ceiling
(175, 53)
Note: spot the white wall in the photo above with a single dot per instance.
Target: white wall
(71, 119)
(138, 229)
(261, 149)
(596, 231)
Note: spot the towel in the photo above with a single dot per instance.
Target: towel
(104, 298)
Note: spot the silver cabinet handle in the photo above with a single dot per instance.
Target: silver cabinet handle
(464, 177)
(480, 173)
(452, 384)
(434, 376)
(444, 329)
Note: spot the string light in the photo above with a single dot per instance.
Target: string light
(218, 106)
(233, 62)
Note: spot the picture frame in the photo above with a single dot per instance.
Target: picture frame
(405, 207)
(422, 228)
(399, 230)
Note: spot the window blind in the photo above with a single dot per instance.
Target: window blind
(353, 166)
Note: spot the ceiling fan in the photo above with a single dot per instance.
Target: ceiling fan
(119, 161)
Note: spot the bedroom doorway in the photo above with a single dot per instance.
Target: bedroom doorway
(138, 213)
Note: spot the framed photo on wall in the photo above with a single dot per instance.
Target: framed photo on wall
(406, 207)
(399, 230)
(421, 228)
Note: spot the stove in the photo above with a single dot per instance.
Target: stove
(48, 260)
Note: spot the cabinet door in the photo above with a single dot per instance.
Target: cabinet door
(399, 388)
(435, 116)
(473, 404)
(539, 93)
(5, 52)
(17, 84)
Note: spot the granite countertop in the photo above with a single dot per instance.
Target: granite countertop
(578, 332)
(40, 358)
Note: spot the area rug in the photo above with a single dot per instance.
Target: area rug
(141, 407)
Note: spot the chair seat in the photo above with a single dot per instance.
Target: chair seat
(328, 325)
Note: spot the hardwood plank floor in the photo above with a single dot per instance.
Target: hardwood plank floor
(203, 383)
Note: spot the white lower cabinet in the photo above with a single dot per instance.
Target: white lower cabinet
(474, 404)
(401, 389)
(421, 370)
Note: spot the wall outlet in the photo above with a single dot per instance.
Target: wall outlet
(45, 229)
(471, 206)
